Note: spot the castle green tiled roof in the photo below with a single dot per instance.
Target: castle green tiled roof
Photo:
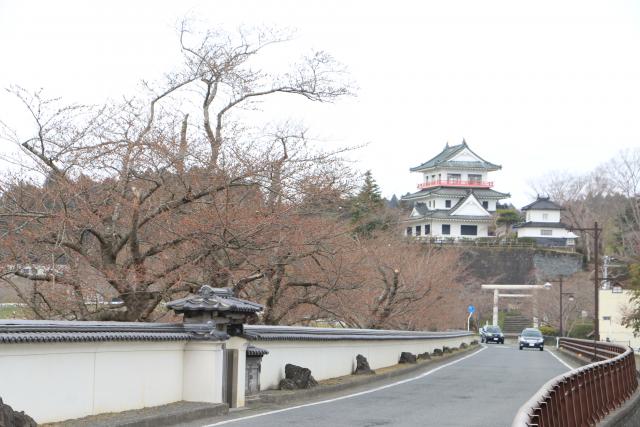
(480, 193)
(442, 160)
(444, 214)
(447, 214)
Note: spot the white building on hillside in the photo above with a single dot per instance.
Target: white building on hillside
(542, 223)
(455, 199)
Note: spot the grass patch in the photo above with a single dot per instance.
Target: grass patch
(13, 312)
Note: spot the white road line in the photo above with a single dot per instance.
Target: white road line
(424, 374)
(571, 368)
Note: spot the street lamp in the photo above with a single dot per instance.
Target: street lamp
(569, 294)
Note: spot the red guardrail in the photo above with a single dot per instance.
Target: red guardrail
(585, 395)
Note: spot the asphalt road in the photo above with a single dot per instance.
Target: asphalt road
(483, 389)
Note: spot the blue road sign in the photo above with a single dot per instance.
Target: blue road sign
(471, 309)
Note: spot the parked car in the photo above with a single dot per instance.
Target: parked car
(531, 338)
(493, 334)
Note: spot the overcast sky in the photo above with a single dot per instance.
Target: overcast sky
(534, 86)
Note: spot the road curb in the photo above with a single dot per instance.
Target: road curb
(352, 381)
(574, 357)
(165, 415)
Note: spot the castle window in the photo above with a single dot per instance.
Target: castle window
(475, 179)
(485, 204)
(418, 230)
(446, 229)
(454, 177)
(546, 232)
(427, 229)
(447, 203)
(409, 231)
(469, 230)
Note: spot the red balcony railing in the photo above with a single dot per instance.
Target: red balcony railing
(456, 183)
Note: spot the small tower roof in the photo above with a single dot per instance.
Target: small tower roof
(543, 204)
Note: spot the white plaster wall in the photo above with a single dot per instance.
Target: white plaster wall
(202, 372)
(59, 381)
(538, 216)
(436, 230)
(471, 207)
(535, 232)
(330, 359)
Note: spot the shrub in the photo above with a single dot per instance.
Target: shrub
(527, 240)
(549, 330)
(581, 330)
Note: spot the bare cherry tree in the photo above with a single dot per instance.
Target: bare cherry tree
(132, 200)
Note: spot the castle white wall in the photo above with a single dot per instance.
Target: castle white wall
(558, 233)
(542, 216)
(436, 229)
(58, 381)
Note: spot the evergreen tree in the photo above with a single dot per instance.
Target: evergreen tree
(508, 217)
(367, 209)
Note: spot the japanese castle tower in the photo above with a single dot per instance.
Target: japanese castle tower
(542, 223)
(455, 199)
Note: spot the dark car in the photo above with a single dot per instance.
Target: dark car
(493, 334)
(531, 338)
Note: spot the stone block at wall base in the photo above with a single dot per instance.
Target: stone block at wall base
(12, 418)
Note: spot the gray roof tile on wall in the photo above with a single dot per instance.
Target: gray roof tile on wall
(294, 333)
(27, 331)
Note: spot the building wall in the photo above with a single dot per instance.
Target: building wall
(538, 216)
(338, 357)
(436, 229)
(612, 308)
(59, 381)
(536, 232)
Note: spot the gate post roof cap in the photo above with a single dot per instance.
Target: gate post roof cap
(209, 299)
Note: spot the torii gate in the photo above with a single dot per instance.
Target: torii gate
(496, 297)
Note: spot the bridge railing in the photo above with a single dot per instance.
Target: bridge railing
(585, 395)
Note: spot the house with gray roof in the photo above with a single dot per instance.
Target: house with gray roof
(455, 198)
(543, 223)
